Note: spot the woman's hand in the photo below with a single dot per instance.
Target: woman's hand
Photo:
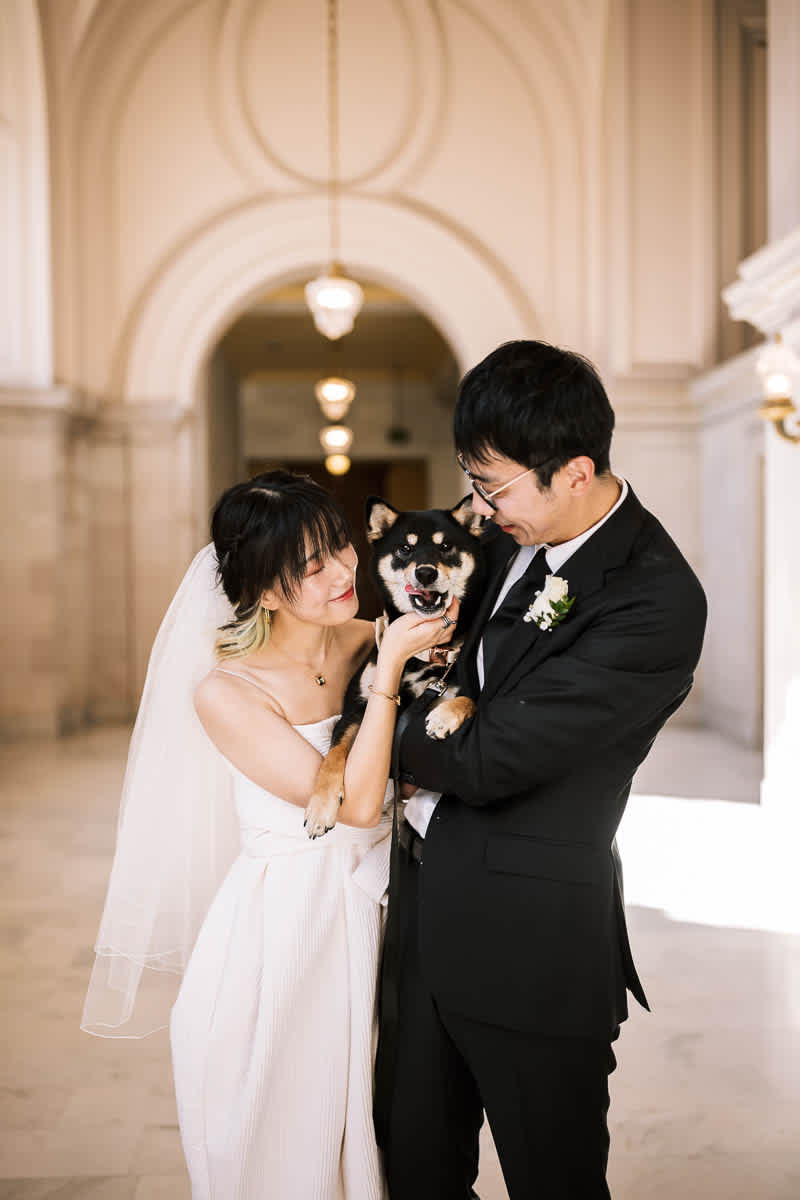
(411, 634)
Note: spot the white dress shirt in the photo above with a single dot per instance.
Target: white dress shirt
(555, 557)
(419, 808)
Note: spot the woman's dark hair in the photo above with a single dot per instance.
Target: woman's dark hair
(536, 404)
(265, 531)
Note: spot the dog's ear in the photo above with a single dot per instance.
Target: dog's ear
(472, 521)
(380, 518)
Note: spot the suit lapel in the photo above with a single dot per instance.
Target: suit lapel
(585, 573)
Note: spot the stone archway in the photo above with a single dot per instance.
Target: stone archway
(445, 270)
(202, 288)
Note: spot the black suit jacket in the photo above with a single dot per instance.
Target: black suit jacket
(522, 918)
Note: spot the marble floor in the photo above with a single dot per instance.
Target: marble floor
(706, 1100)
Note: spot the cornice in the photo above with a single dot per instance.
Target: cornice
(146, 421)
(52, 399)
(59, 404)
(652, 405)
(767, 292)
(730, 391)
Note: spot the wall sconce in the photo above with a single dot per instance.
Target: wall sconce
(777, 364)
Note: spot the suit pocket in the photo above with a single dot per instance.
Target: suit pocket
(515, 854)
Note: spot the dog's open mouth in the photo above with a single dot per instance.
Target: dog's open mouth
(428, 603)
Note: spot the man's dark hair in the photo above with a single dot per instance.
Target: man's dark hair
(536, 404)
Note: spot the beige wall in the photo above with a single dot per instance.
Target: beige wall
(221, 431)
(516, 169)
(566, 148)
(732, 441)
(32, 523)
(281, 420)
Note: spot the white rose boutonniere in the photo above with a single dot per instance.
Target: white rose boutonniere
(552, 604)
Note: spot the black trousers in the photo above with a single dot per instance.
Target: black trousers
(546, 1098)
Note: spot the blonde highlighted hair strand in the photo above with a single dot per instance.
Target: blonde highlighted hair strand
(245, 635)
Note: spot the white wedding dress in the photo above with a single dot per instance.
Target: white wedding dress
(273, 1029)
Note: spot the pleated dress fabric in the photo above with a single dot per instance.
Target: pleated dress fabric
(273, 1031)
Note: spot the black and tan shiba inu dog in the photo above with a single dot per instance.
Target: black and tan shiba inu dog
(420, 561)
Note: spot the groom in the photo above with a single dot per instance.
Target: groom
(507, 960)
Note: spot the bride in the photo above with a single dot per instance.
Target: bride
(272, 1030)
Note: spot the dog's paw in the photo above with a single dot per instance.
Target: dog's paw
(448, 716)
(321, 812)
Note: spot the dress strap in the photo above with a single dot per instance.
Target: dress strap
(252, 682)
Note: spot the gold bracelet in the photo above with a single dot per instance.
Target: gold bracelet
(386, 695)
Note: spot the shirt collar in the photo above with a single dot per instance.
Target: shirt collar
(556, 556)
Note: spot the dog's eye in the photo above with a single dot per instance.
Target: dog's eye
(445, 546)
(405, 550)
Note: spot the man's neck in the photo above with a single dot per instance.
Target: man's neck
(601, 499)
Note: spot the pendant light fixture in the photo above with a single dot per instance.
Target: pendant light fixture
(337, 464)
(336, 439)
(334, 396)
(334, 300)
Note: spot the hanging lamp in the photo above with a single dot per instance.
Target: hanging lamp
(337, 464)
(334, 300)
(334, 396)
(336, 439)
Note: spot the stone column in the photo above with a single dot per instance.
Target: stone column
(782, 627)
(782, 499)
(783, 117)
(142, 537)
(767, 295)
(41, 681)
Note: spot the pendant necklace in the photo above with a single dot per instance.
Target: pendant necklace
(319, 678)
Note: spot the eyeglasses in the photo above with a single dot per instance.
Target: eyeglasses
(480, 490)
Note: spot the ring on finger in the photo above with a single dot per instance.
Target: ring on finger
(447, 621)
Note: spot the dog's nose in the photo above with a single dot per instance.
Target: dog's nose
(426, 575)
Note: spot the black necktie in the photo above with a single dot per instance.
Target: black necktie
(515, 604)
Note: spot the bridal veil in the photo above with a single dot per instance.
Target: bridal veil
(177, 834)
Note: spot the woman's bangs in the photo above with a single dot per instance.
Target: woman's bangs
(323, 534)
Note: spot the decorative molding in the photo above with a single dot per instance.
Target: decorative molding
(26, 352)
(144, 421)
(767, 292)
(82, 17)
(741, 187)
(727, 376)
(549, 97)
(96, 100)
(57, 403)
(219, 272)
(241, 121)
(653, 405)
(646, 201)
(540, 57)
(729, 392)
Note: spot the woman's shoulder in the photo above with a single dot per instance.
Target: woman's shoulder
(225, 687)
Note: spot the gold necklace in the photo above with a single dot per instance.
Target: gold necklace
(319, 679)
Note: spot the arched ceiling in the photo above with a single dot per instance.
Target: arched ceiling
(277, 333)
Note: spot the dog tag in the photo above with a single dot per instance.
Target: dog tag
(439, 686)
